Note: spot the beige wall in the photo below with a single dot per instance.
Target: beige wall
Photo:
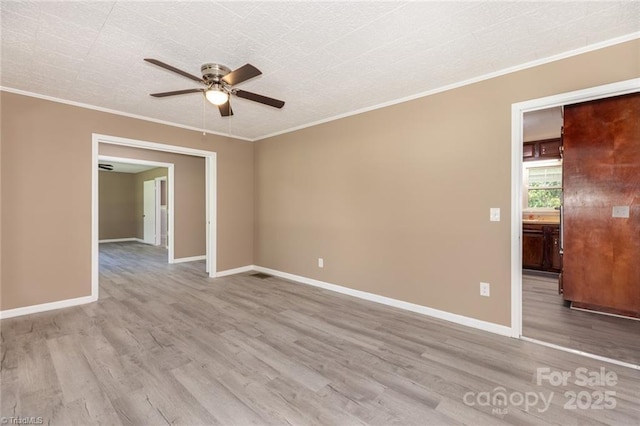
(117, 201)
(397, 200)
(121, 200)
(50, 260)
(192, 205)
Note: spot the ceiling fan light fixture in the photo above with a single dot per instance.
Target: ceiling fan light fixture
(216, 96)
(219, 82)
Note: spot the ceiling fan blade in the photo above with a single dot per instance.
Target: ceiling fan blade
(225, 109)
(259, 98)
(176, 92)
(174, 69)
(243, 73)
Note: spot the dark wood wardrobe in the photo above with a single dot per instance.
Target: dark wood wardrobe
(601, 183)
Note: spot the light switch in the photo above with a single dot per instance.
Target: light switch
(620, 211)
(494, 214)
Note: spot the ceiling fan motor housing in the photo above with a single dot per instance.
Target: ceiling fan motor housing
(213, 73)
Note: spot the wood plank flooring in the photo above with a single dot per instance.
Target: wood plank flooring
(167, 345)
(546, 318)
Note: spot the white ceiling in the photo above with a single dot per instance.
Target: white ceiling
(542, 124)
(125, 167)
(325, 59)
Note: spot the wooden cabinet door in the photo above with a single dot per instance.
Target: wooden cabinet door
(542, 150)
(556, 259)
(541, 247)
(601, 169)
(550, 149)
(532, 248)
(529, 151)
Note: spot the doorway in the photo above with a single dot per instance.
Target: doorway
(149, 218)
(151, 210)
(210, 160)
(518, 111)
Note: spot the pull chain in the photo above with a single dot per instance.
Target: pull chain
(204, 106)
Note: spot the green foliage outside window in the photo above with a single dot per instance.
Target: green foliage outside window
(544, 197)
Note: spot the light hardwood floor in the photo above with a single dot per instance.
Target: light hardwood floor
(545, 317)
(167, 345)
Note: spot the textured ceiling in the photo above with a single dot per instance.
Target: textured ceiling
(325, 59)
(125, 167)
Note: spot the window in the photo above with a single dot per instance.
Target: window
(543, 186)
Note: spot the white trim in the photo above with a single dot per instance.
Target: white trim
(158, 209)
(538, 62)
(95, 224)
(211, 211)
(189, 259)
(608, 314)
(553, 58)
(120, 240)
(115, 140)
(582, 353)
(171, 184)
(517, 113)
(148, 191)
(234, 271)
(117, 112)
(424, 310)
(34, 309)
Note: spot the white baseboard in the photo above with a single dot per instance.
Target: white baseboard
(582, 353)
(119, 240)
(235, 271)
(10, 313)
(436, 313)
(189, 259)
(593, 311)
(424, 310)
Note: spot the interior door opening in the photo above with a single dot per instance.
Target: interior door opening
(540, 312)
(210, 202)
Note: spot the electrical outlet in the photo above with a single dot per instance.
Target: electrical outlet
(320, 262)
(485, 289)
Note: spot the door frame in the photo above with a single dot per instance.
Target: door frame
(153, 191)
(159, 181)
(211, 193)
(517, 139)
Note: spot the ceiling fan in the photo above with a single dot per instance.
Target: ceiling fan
(219, 81)
(108, 167)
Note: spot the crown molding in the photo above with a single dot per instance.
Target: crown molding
(116, 112)
(527, 65)
(537, 62)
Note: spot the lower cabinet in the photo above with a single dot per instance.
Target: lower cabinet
(541, 247)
